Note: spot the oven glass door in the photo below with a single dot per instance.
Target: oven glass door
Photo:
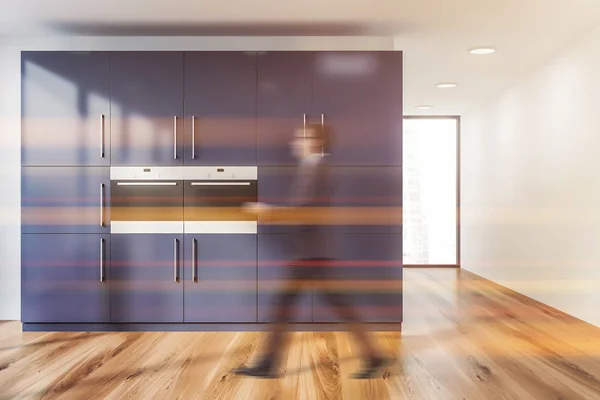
(147, 206)
(215, 206)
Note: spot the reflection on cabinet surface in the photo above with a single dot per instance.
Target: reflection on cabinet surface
(220, 278)
(273, 274)
(145, 276)
(359, 95)
(65, 278)
(285, 97)
(65, 108)
(369, 272)
(65, 200)
(147, 107)
(220, 108)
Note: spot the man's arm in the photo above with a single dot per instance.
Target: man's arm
(309, 208)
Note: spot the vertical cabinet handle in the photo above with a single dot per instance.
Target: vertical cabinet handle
(194, 259)
(303, 125)
(322, 127)
(193, 138)
(101, 135)
(175, 260)
(175, 137)
(102, 204)
(101, 260)
(304, 129)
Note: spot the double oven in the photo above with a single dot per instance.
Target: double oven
(182, 199)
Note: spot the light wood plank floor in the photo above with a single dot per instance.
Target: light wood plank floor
(463, 338)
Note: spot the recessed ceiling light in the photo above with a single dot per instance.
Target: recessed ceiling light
(482, 50)
(446, 85)
(424, 107)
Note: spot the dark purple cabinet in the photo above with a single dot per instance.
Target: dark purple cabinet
(273, 276)
(146, 284)
(285, 96)
(359, 95)
(367, 199)
(220, 108)
(274, 187)
(220, 278)
(65, 278)
(362, 199)
(65, 200)
(147, 94)
(65, 108)
(369, 271)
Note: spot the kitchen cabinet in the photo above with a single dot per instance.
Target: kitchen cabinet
(362, 199)
(285, 97)
(359, 95)
(146, 284)
(274, 188)
(220, 108)
(220, 278)
(65, 278)
(273, 274)
(147, 94)
(65, 108)
(369, 270)
(367, 199)
(65, 200)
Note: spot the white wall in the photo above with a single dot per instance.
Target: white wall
(10, 143)
(530, 178)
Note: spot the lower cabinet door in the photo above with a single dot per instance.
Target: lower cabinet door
(367, 278)
(220, 278)
(275, 277)
(64, 278)
(146, 284)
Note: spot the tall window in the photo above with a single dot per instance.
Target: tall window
(430, 179)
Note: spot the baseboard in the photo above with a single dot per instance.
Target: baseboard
(329, 327)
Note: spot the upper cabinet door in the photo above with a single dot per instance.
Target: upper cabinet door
(285, 95)
(65, 108)
(147, 108)
(220, 108)
(359, 95)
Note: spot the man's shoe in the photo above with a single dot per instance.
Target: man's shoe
(259, 371)
(373, 368)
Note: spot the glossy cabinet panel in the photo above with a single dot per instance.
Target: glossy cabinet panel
(369, 272)
(220, 108)
(65, 108)
(146, 272)
(220, 278)
(65, 200)
(65, 278)
(273, 276)
(147, 94)
(285, 96)
(359, 95)
(367, 199)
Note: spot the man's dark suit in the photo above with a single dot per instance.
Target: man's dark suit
(312, 254)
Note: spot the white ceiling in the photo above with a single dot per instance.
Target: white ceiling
(434, 34)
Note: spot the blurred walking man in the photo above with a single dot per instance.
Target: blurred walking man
(313, 255)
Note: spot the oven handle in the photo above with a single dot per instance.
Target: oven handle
(220, 183)
(147, 183)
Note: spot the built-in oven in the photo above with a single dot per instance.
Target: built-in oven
(213, 198)
(146, 199)
(184, 199)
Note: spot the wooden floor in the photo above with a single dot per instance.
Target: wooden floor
(463, 338)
